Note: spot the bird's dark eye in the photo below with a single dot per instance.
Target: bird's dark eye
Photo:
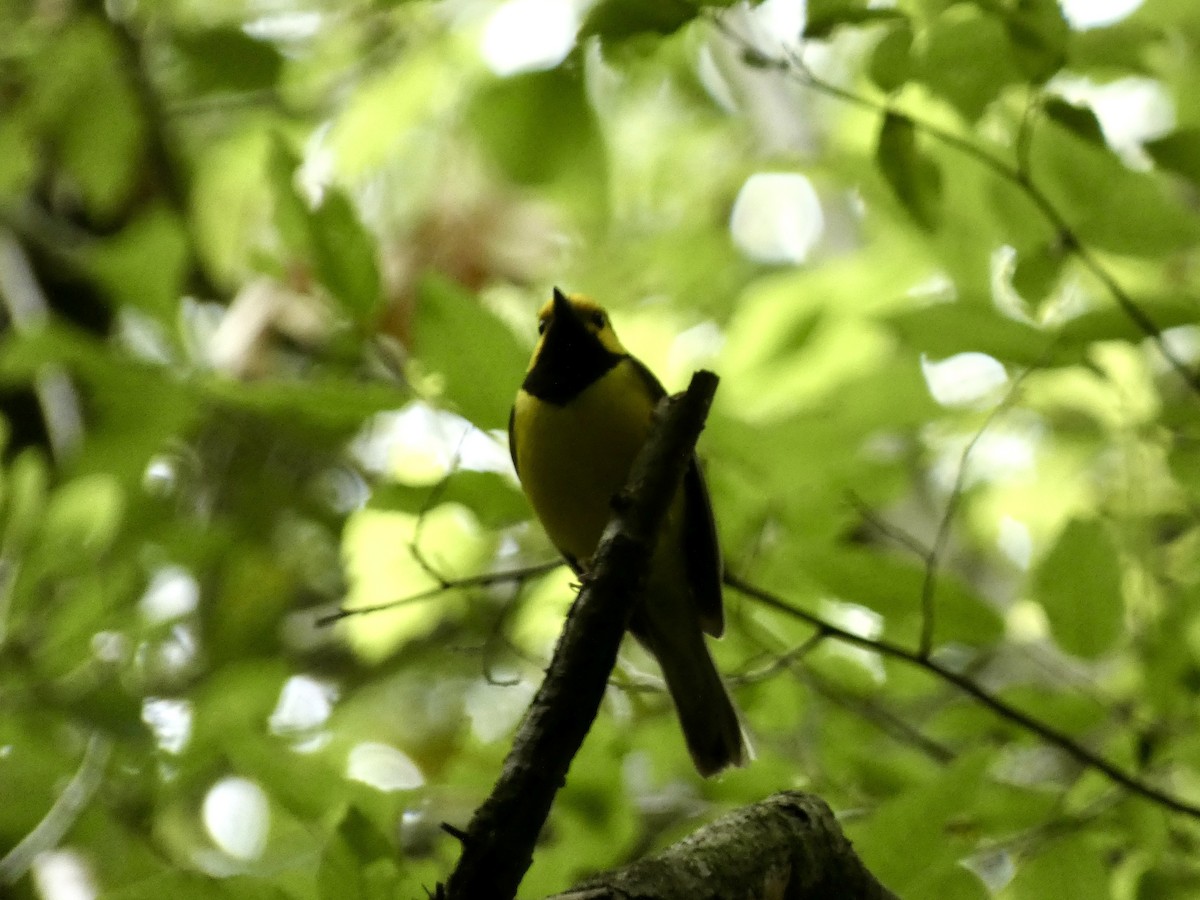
(598, 319)
(542, 323)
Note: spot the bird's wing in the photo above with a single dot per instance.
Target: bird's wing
(703, 552)
(512, 439)
(699, 531)
(653, 385)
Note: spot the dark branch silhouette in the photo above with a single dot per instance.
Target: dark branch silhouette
(964, 683)
(485, 579)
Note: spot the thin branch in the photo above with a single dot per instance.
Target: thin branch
(431, 500)
(781, 663)
(891, 724)
(485, 579)
(29, 310)
(932, 556)
(62, 814)
(889, 530)
(1061, 823)
(1048, 733)
(942, 538)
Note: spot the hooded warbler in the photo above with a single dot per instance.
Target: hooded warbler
(581, 415)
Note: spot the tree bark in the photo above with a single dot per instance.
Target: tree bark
(787, 847)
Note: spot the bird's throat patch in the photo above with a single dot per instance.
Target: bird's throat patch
(570, 360)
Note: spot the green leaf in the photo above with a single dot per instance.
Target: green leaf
(329, 404)
(363, 837)
(1168, 884)
(1079, 120)
(331, 237)
(1132, 213)
(1113, 324)
(144, 265)
(18, 155)
(619, 20)
(226, 59)
(344, 255)
(891, 64)
(242, 617)
(1039, 36)
(350, 866)
(179, 884)
(966, 59)
(84, 515)
(913, 842)
(1178, 152)
(539, 128)
(90, 114)
(291, 213)
(948, 328)
(1072, 867)
(826, 16)
(1079, 586)
(23, 491)
(474, 353)
(1122, 49)
(339, 876)
(133, 408)
(493, 499)
(1071, 712)
(913, 177)
(1037, 269)
(893, 586)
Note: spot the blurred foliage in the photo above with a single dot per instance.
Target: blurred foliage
(268, 279)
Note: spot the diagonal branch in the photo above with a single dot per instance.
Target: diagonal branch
(790, 63)
(498, 844)
(65, 812)
(1002, 708)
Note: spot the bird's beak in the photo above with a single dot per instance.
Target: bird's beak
(565, 321)
(562, 306)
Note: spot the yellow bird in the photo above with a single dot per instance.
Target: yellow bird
(580, 417)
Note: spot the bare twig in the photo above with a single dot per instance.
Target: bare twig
(62, 814)
(872, 711)
(942, 538)
(889, 530)
(780, 663)
(485, 579)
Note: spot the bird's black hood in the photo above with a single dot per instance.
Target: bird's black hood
(571, 356)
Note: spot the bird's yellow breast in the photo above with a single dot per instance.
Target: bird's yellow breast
(573, 458)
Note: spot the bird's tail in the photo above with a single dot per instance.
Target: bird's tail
(707, 715)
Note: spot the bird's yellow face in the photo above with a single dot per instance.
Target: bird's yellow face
(587, 311)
